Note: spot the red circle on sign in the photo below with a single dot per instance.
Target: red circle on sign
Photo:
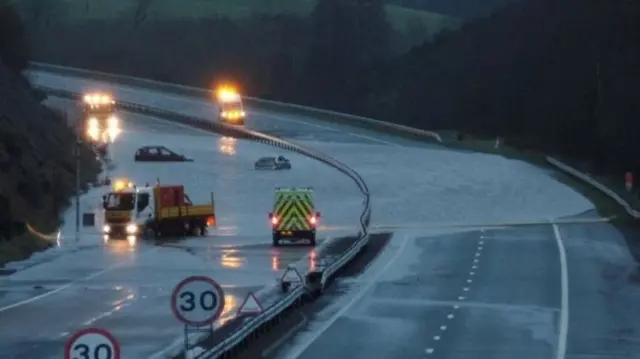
(112, 340)
(215, 315)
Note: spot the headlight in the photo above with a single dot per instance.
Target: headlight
(132, 228)
(242, 114)
(106, 229)
(113, 122)
(112, 134)
(93, 122)
(93, 133)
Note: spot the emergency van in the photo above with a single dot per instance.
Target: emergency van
(294, 217)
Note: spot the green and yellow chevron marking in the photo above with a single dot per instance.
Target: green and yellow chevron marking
(293, 208)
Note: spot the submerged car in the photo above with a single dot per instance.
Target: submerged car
(159, 154)
(273, 163)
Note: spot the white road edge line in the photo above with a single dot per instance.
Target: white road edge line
(564, 301)
(288, 335)
(304, 346)
(68, 285)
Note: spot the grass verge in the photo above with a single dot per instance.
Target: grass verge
(22, 247)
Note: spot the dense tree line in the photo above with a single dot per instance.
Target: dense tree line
(540, 73)
(14, 50)
(553, 75)
(278, 56)
(466, 9)
(37, 162)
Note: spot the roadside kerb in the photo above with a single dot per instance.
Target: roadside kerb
(297, 295)
(593, 182)
(261, 104)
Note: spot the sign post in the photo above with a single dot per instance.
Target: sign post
(197, 302)
(291, 275)
(77, 158)
(92, 343)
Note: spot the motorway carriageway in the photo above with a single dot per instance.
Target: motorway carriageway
(519, 300)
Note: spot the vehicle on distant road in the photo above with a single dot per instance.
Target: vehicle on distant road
(273, 163)
(100, 123)
(230, 103)
(159, 154)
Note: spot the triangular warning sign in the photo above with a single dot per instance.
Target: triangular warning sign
(292, 275)
(250, 306)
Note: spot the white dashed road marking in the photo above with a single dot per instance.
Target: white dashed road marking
(465, 289)
(365, 289)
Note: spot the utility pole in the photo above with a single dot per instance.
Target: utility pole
(77, 155)
(598, 105)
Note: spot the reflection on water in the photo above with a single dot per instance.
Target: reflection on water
(229, 259)
(230, 303)
(116, 306)
(227, 145)
(119, 246)
(312, 260)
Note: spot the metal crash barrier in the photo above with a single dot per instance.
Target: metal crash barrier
(315, 281)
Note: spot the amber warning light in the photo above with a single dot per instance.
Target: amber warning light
(227, 94)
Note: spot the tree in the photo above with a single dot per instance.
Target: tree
(141, 12)
(346, 37)
(14, 49)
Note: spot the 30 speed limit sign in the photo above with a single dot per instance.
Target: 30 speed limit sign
(197, 301)
(92, 343)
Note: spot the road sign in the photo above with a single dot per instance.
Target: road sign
(92, 343)
(250, 306)
(197, 301)
(292, 275)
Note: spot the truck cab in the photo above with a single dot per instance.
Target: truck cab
(101, 124)
(154, 211)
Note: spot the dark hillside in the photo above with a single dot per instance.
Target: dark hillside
(37, 164)
(465, 9)
(538, 73)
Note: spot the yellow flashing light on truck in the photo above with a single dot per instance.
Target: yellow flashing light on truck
(121, 184)
(98, 99)
(230, 102)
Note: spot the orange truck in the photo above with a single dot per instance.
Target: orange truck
(154, 211)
